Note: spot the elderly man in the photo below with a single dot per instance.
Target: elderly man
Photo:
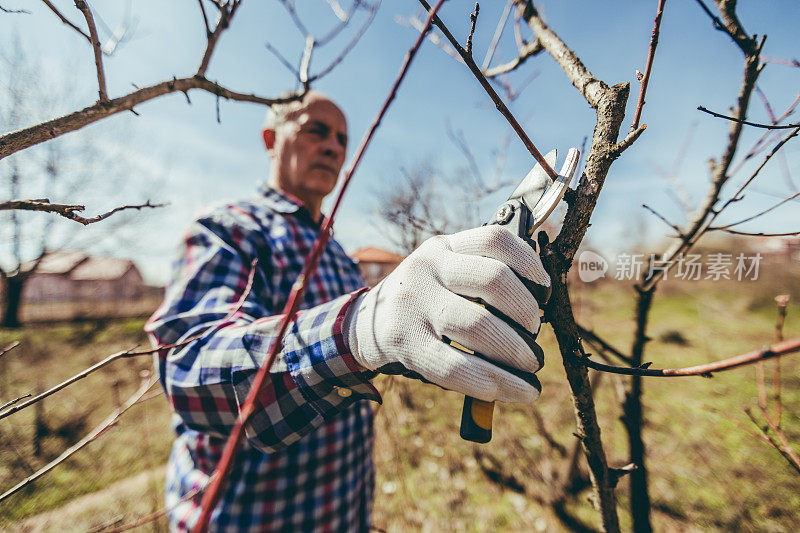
(307, 463)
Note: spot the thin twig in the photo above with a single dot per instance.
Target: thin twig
(156, 515)
(9, 348)
(498, 32)
(68, 210)
(350, 45)
(15, 11)
(527, 51)
(786, 450)
(664, 220)
(473, 67)
(305, 62)
(98, 52)
(15, 400)
(705, 370)
(66, 21)
(782, 300)
(473, 18)
(651, 52)
(205, 18)
(95, 433)
(592, 337)
(226, 13)
(747, 122)
(762, 234)
(764, 212)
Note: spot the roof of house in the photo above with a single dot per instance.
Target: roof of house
(60, 262)
(375, 255)
(101, 268)
(79, 266)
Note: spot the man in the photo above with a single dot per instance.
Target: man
(307, 463)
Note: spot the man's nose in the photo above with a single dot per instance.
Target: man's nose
(332, 148)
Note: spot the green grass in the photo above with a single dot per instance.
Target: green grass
(706, 473)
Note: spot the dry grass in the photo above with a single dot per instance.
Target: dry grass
(706, 473)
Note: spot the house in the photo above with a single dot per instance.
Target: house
(375, 263)
(77, 277)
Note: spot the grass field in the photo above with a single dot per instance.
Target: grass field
(706, 472)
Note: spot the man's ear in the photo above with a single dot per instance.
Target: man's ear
(269, 138)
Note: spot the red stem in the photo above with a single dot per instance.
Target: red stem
(651, 53)
(221, 473)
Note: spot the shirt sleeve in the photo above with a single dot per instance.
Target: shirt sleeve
(224, 332)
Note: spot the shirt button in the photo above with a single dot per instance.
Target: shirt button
(343, 392)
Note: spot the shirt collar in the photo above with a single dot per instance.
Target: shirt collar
(282, 202)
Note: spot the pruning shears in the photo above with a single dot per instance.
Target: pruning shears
(523, 213)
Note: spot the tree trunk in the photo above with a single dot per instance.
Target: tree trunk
(12, 302)
(633, 420)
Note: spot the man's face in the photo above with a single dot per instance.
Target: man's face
(309, 150)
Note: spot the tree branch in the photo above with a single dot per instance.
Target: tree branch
(704, 370)
(98, 53)
(226, 13)
(473, 67)
(764, 212)
(651, 52)
(68, 210)
(66, 21)
(747, 122)
(94, 434)
(25, 138)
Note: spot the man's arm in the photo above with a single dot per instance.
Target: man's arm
(207, 380)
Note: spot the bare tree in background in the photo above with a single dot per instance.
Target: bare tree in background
(81, 166)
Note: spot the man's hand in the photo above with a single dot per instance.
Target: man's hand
(405, 318)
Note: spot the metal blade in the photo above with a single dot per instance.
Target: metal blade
(555, 193)
(534, 185)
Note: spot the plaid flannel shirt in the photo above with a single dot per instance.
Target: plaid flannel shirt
(307, 462)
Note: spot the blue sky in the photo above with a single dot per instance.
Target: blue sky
(180, 154)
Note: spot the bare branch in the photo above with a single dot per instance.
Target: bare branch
(473, 20)
(305, 61)
(778, 61)
(205, 18)
(14, 11)
(158, 514)
(628, 141)
(742, 121)
(15, 400)
(94, 434)
(226, 13)
(650, 56)
(761, 234)
(784, 447)
(764, 212)
(705, 370)
(68, 210)
(9, 348)
(66, 21)
(529, 50)
(285, 62)
(467, 58)
(661, 217)
(98, 52)
(346, 50)
(592, 338)
(25, 138)
(498, 32)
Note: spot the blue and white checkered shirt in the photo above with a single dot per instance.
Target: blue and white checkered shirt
(307, 462)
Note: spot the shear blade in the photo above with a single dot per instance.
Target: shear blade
(531, 189)
(548, 201)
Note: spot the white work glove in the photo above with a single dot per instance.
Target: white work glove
(400, 323)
